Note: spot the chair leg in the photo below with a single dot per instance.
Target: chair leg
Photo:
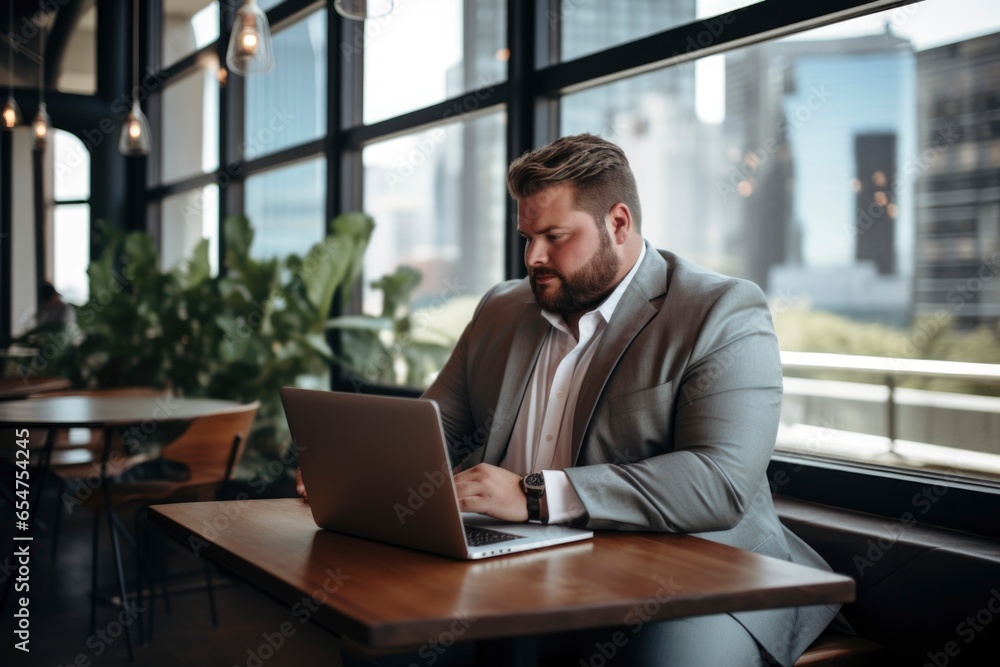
(211, 593)
(93, 572)
(140, 596)
(56, 520)
(123, 590)
(164, 575)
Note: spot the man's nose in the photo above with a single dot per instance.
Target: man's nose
(535, 254)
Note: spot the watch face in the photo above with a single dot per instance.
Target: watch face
(534, 480)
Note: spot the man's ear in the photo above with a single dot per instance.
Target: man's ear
(620, 220)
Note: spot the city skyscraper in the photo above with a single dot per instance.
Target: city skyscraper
(958, 182)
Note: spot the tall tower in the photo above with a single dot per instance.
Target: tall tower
(876, 209)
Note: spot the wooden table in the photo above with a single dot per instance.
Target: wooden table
(14, 388)
(109, 413)
(391, 598)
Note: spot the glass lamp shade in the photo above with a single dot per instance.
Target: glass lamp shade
(359, 10)
(11, 114)
(249, 49)
(41, 127)
(135, 132)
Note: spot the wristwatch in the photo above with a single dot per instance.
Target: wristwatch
(534, 488)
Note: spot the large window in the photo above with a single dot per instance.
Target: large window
(288, 106)
(185, 219)
(583, 26)
(71, 218)
(415, 57)
(438, 198)
(190, 136)
(851, 171)
(286, 207)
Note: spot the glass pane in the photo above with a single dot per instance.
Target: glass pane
(72, 167)
(71, 252)
(438, 200)
(78, 71)
(288, 106)
(186, 218)
(406, 70)
(190, 139)
(188, 25)
(587, 27)
(287, 208)
(853, 172)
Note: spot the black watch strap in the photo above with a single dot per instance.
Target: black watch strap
(534, 488)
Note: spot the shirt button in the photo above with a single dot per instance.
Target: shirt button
(548, 438)
(559, 393)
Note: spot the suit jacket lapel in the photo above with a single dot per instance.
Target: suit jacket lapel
(633, 312)
(525, 346)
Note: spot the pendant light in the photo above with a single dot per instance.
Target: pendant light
(42, 123)
(134, 139)
(11, 112)
(359, 10)
(249, 49)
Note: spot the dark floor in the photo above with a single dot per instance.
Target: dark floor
(60, 602)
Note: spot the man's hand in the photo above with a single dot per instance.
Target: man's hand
(300, 487)
(492, 491)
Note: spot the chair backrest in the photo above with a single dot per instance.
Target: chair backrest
(211, 445)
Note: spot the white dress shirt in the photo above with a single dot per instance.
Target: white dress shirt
(543, 431)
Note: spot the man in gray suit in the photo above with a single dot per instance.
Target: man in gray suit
(620, 387)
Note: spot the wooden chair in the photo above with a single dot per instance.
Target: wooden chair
(208, 450)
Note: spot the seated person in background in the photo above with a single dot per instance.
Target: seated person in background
(51, 307)
(622, 387)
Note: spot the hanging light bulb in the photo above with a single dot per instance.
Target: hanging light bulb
(11, 112)
(359, 10)
(135, 133)
(42, 123)
(41, 126)
(134, 139)
(249, 49)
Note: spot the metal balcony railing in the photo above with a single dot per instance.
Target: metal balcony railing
(889, 370)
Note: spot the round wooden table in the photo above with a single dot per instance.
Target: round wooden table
(93, 411)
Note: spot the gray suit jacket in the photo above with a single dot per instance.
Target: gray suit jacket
(676, 419)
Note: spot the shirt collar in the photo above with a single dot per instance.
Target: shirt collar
(608, 306)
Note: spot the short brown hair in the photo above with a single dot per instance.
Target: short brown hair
(597, 168)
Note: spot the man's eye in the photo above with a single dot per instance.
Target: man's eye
(555, 237)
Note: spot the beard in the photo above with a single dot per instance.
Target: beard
(582, 291)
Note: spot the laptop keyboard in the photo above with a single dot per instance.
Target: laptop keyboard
(478, 537)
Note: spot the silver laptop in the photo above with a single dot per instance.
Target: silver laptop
(377, 467)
